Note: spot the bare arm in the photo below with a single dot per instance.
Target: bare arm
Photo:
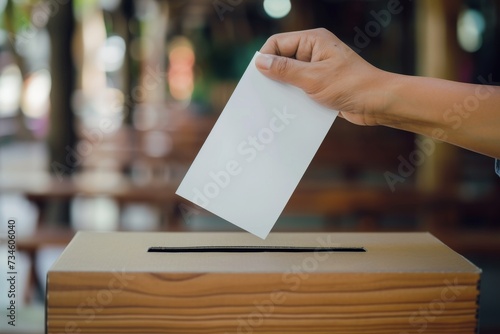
(330, 72)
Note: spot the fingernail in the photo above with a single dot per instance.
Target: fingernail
(264, 61)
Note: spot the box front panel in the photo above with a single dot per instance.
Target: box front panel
(297, 301)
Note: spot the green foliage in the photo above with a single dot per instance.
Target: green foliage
(81, 7)
(16, 16)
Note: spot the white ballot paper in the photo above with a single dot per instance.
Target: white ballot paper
(257, 152)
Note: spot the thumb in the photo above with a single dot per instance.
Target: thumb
(283, 69)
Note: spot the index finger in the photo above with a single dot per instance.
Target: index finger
(284, 44)
(291, 44)
(301, 45)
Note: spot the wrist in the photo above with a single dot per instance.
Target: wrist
(403, 107)
(381, 102)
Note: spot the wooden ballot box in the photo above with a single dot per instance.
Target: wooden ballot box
(236, 283)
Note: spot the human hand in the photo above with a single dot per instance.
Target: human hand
(329, 72)
(335, 76)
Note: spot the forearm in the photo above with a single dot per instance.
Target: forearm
(462, 114)
(333, 75)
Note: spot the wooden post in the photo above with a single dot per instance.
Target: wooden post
(436, 57)
(62, 132)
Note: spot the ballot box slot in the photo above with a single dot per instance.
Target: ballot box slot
(254, 249)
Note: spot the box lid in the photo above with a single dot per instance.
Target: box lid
(384, 252)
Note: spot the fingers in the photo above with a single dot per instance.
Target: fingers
(283, 69)
(286, 57)
(285, 44)
(301, 45)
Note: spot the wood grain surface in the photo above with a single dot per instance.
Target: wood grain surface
(293, 302)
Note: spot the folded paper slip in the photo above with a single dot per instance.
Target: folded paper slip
(257, 152)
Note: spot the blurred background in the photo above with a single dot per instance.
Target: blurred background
(105, 103)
